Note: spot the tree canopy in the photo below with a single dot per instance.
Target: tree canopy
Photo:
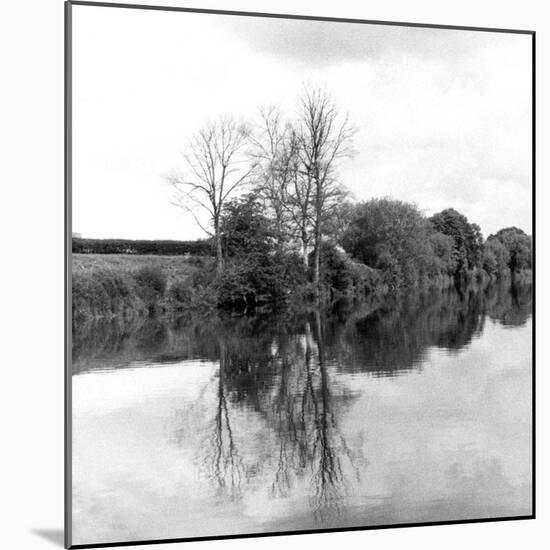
(467, 238)
(518, 246)
(394, 237)
(278, 215)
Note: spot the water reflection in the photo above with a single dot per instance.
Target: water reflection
(382, 338)
(285, 413)
(222, 462)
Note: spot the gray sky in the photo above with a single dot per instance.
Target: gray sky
(443, 116)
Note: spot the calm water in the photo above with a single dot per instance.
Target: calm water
(416, 411)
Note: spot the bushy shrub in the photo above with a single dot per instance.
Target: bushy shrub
(104, 293)
(88, 296)
(203, 278)
(181, 292)
(235, 286)
(366, 280)
(196, 291)
(342, 276)
(268, 278)
(151, 278)
(257, 268)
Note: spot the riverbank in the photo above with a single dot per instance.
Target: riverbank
(127, 286)
(105, 286)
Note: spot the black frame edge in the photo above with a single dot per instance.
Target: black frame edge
(533, 267)
(67, 273)
(304, 532)
(154, 7)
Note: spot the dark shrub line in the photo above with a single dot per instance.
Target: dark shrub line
(126, 246)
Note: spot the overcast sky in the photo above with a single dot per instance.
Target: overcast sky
(443, 116)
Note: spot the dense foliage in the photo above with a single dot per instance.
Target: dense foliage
(344, 277)
(496, 258)
(260, 267)
(395, 238)
(371, 248)
(411, 251)
(467, 238)
(517, 245)
(257, 269)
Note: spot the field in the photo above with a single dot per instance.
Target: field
(175, 268)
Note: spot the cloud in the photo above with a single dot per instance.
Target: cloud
(443, 116)
(323, 42)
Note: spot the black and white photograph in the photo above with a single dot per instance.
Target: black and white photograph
(300, 274)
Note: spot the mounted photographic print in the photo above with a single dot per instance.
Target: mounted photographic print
(299, 274)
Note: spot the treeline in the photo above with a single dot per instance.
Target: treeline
(375, 247)
(283, 227)
(126, 246)
(283, 230)
(412, 250)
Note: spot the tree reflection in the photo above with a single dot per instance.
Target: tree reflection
(286, 380)
(222, 463)
(396, 336)
(287, 371)
(304, 419)
(329, 444)
(510, 305)
(381, 337)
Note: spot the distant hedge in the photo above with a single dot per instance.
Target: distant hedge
(123, 246)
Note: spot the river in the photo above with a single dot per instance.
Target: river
(413, 411)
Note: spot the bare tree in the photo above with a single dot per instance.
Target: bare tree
(275, 149)
(325, 138)
(300, 205)
(286, 190)
(217, 165)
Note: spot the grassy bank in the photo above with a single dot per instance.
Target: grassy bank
(118, 285)
(109, 286)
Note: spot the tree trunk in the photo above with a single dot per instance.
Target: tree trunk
(219, 254)
(304, 246)
(317, 258)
